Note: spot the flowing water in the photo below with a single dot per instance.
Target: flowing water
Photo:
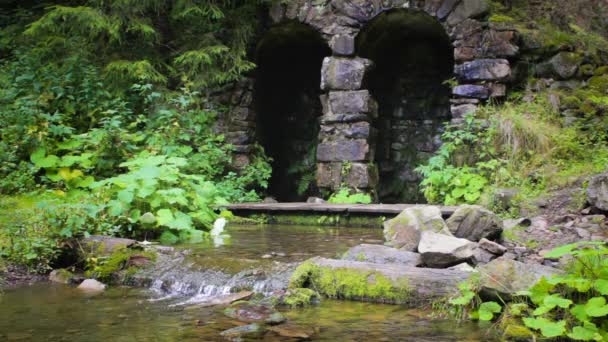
(259, 258)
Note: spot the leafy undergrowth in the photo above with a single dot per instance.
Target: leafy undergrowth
(521, 145)
(573, 305)
(344, 196)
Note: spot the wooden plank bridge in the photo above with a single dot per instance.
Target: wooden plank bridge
(328, 208)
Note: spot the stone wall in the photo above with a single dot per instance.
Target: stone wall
(348, 132)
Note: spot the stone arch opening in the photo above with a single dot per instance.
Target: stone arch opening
(413, 59)
(286, 98)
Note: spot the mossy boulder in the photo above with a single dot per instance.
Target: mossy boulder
(599, 83)
(473, 222)
(253, 330)
(597, 192)
(300, 297)
(404, 231)
(61, 276)
(364, 281)
(563, 65)
(505, 277)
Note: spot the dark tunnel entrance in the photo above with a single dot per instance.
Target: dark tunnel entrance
(289, 58)
(413, 57)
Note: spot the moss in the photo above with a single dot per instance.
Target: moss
(344, 283)
(571, 102)
(361, 256)
(514, 330)
(599, 83)
(603, 70)
(326, 220)
(500, 18)
(586, 70)
(300, 297)
(107, 269)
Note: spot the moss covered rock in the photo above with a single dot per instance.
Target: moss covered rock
(300, 297)
(404, 230)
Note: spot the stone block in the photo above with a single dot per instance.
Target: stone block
(446, 8)
(352, 102)
(459, 111)
(329, 175)
(243, 114)
(465, 54)
(356, 130)
(468, 9)
(499, 44)
(342, 45)
(238, 138)
(361, 176)
(339, 73)
(344, 150)
(484, 70)
(329, 119)
(471, 90)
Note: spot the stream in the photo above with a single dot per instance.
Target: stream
(166, 303)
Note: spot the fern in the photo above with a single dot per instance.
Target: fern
(134, 71)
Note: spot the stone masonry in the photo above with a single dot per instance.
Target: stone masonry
(347, 142)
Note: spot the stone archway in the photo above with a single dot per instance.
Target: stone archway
(286, 98)
(413, 59)
(348, 127)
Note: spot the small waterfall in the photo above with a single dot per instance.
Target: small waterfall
(179, 281)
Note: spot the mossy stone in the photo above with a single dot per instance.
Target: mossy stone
(300, 297)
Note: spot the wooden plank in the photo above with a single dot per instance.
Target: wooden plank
(370, 209)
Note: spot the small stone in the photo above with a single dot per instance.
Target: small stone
(481, 256)
(61, 276)
(342, 45)
(292, 331)
(492, 247)
(468, 9)
(91, 286)
(520, 251)
(249, 312)
(236, 334)
(340, 73)
(266, 256)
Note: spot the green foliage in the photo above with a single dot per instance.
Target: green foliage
(344, 196)
(572, 305)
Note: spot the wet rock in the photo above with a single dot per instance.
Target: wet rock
(293, 331)
(472, 91)
(61, 276)
(91, 286)
(440, 250)
(382, 255)
(505, 277)
(106, 244)
(138, 260)
(492, 247)
(475, 223)
(597, 191)
(254, 313)
(468, 9)
(483, 70)
(343, 73)
(404, 231)
(247, 331)
(223, 300)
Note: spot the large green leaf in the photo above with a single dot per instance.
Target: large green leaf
(547, 327)
(164, 217)
(41, 160)
(601, 285)
(596, 307)
(488, 309)
(587, 332)
(181, 222)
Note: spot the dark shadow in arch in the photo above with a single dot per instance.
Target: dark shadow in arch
(286, 96)
(413, 57)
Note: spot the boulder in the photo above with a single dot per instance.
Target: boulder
(340, 73)
(562, 66)
(506, 277)
(481, 256)
(404, 230)
(91, 286)
(440, 250)
(254, 313)
(475, 223)
(379, 254)
(380, 283)
(597, 191)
